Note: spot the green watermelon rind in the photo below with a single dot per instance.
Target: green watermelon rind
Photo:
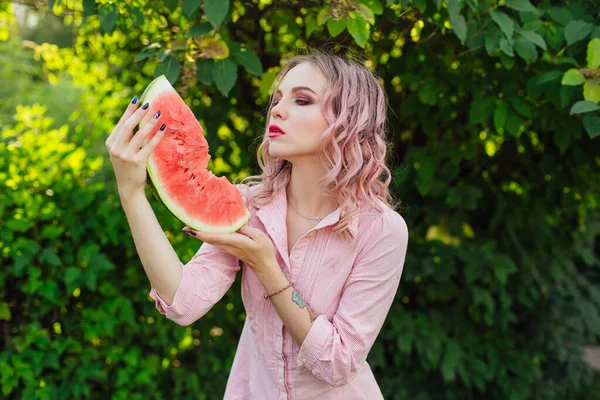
(155, 87)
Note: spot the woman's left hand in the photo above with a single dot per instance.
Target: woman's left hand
(250, 245)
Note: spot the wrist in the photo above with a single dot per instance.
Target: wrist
(272, 278)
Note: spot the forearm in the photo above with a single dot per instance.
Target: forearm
(160, 262)
(295, 314)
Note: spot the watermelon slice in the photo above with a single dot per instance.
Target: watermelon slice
(177, 167)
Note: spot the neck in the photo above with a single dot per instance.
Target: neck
(305, 194)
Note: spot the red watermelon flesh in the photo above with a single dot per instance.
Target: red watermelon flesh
(177, 167)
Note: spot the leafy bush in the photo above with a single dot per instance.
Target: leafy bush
(493, 154)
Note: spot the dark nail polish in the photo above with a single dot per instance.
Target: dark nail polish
(162, 127)
(135, 99)
(145, 106)
(192, 233)
(157, 114)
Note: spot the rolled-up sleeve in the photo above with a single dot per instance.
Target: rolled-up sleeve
(204, 281)
(335, 350)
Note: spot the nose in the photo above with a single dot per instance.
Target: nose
(278, 111)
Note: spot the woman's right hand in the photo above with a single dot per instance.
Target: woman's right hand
(129, 153)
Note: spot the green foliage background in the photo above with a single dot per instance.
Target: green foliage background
(494, 121)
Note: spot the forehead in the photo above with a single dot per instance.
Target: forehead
(303, 74)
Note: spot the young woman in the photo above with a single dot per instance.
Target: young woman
(322, 253)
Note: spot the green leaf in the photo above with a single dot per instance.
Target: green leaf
(583, 107)
(72, 278)
(162, 54)
(593, 54)
(500, 116)
(591, 123)
(171, 4)
(189, 7)
(89, 7)
(310, 22)
(507, 47)
(147, 52)
(50, 5)
(169, 68)
(246, 57)
(451, 360)
(481, 110)
(520, 106)
(374, 5)
(514, 123)
(224, 75)
(577, 30)
(427, 95)
(521, 5)
(591, 90)
(572, 77)
(561, 15)
(4, 312)
(491, 40)
(421, 5)
(534, 38)
(205, 68)
(137, 16)
(367, 14)
(108, 15)
(324, 15)
(199, 29)
(526, 50)
(336, 27)
(360, 30)
(503, 266)
(549, 76)
(216, 11)
(504, 22)
(459, 25)
(48, 256)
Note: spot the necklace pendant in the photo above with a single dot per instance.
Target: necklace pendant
(319, 218)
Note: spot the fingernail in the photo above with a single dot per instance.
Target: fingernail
(145, 106)
(188, 232)
(162, 127)
(134, 100)
(157, 114)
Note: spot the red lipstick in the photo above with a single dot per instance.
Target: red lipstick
(275, 131)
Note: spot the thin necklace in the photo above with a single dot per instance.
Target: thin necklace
(312, 219)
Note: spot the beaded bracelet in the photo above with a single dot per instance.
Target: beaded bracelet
(268, 296)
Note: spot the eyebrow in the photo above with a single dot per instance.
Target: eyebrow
(296, 88)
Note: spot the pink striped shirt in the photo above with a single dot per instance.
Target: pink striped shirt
(349, 285)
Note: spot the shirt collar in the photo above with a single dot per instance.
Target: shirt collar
(274, 213)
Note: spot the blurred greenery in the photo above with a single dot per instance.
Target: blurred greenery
(494, 121)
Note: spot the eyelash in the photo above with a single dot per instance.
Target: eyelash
(299, 101)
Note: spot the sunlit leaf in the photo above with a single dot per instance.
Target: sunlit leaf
(359, 29)
(591, 90)
(336, 27)
(572, 77)
(367, 13)
(593, 54)
(214, 48)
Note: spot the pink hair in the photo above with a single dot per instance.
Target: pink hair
(353, 148)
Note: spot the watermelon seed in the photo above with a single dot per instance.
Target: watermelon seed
(186, 170)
